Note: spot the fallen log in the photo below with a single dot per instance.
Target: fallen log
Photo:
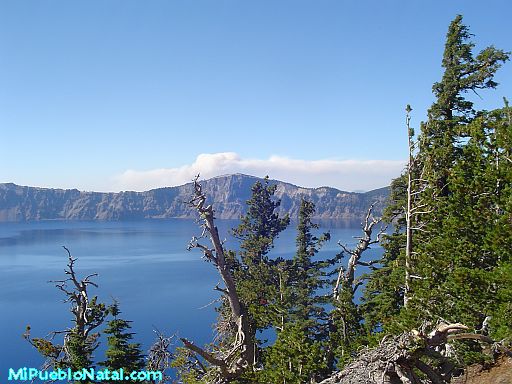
(411, 358)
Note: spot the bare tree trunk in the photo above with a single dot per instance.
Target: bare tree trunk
(234, 362)
(408, 212)
(414, 209)
(346, 278)
(88, 315)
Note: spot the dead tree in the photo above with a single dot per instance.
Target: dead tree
(159, 355)
(408, 211)
(345, 318)
(507, 154)
(79, 341)
(346, 277)
(405, 358)
(414, 206)
(87, 315)
(230, 363)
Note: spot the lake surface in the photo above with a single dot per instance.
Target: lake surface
(143, 264)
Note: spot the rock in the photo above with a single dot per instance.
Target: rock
(228, 193)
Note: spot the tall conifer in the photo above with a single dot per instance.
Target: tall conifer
(121, 352)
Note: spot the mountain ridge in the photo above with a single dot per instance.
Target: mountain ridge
(228, 193)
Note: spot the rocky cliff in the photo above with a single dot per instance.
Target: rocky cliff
(228, 193)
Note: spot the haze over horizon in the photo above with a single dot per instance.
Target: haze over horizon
(130, 95)
(204, 178)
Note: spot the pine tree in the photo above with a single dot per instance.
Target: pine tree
(308, 273)
(448, 259)
(257, 275)
(121, 353)
(462, 250)
(293, 358)
(299, 354)
(500, 240)
(250, 300)
(79, 341)
(457, 193)
(451, 112)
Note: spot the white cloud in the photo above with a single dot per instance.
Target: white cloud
(350, 175)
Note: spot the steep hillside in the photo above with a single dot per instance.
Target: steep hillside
(228, 193)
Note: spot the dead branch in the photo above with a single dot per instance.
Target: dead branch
(346, 276)
(88, 315)
(159, 355)
(205, 355)
(397, 360)
(241, 355)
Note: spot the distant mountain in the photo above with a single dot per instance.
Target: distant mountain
(228, 193)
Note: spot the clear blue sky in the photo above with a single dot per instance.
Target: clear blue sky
(114, 94)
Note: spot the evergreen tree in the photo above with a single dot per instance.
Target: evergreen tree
(299, 354)
(252, 298)
(308, 273)
(121, 353)
(460, 187)
(79, 342)
(448, 258)
(258, 277)
(293, 358)
(451, 112)
(463, 247)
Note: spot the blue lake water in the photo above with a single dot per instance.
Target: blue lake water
(143, 264)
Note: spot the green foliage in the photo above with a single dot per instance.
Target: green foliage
(121, 353)
(383, 296)
(462, 237)
(307, 274)
(460, 256)
(259, 278)
(293, 358)
(460, 269)
(451, 112)
(260, 225)
(188, 367)
(463, 72)
(305, 326)
(80, 350)
(459, 187)
(46, 348)
(347, 334)
(79, 342)
(501, 314)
